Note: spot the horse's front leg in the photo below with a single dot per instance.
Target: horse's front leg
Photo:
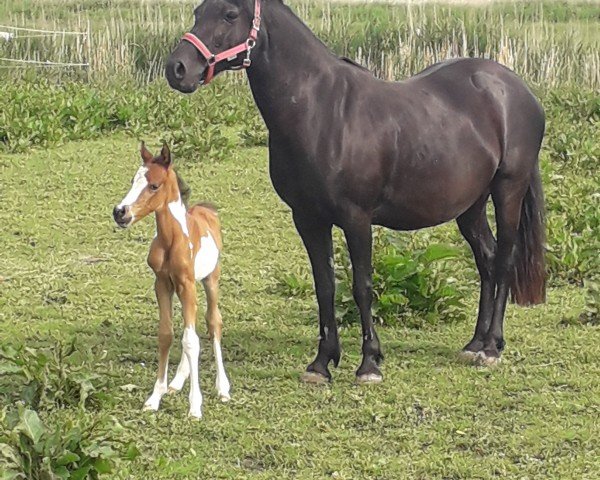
(164, 294)
(359, 239)
(316, 236)
(186, 290)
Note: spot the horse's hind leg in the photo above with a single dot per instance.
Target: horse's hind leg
(507, 194)
(474, 226)
(214, 323)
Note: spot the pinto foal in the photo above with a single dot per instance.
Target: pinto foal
(185, 249)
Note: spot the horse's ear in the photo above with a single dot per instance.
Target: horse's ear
(164, 158)
(146, 155)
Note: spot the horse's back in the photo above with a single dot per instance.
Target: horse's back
(206, 221)
(483, 79)
(436, 140)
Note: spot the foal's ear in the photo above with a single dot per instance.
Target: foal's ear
(164, 158)
(146, 155)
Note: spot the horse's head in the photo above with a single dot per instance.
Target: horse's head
(150, 188)
(222, 37)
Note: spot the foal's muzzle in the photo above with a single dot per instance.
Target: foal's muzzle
(122, 217)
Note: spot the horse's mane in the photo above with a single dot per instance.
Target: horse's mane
(184, 189)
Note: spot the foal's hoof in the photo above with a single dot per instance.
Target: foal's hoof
(369, 379)
(314, 378)
(468, 356)
(487, 360)
(224, 397)
(195, 414)
(172, 391)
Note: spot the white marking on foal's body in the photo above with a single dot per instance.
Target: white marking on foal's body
(207, 257)
(179, 212)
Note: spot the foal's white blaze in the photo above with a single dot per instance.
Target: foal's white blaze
(191, 349)
(139, 183)
(207, 257)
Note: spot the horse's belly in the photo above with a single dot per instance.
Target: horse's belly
(414, 200)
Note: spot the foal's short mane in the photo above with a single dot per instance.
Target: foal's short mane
(184, 190)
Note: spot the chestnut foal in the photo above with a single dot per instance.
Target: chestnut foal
(186, 248)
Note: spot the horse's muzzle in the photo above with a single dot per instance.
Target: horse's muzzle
(185, 69)
(122, 217)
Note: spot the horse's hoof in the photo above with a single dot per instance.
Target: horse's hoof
(314, 378)
(172, 391)
(149, 408)
(224, 398)
(467, 356)
(369, 379)
(486, 360)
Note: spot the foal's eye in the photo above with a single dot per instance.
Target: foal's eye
(153, 187)
(231, 16)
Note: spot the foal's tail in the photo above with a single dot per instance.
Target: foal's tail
(529, 281)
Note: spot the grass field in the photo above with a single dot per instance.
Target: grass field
(78, 319)
(68, 273)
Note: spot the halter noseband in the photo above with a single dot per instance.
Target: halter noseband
(230, 54)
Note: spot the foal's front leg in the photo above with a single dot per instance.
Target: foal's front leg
(186, 290)
(164, 294)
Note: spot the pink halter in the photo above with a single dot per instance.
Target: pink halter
(230, 54)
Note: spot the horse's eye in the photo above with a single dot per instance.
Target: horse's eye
(231, 15)
(153, 187)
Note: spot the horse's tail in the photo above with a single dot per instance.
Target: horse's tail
(529, 280)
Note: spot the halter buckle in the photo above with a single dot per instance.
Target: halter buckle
(211, 60)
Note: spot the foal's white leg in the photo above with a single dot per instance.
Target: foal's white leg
(160, 388)
(191, 350)
(183, 372)
(222, 382)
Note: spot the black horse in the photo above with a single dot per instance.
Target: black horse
(351, 150)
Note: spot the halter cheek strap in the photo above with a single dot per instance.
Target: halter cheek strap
(230, 54)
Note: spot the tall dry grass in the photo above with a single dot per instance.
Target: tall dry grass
(133, 37)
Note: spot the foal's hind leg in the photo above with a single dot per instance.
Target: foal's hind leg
(474, 226)
(214, 323)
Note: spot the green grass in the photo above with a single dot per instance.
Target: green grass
(65, 272)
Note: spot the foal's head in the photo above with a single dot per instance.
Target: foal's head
(153, 186)
(220, 25)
